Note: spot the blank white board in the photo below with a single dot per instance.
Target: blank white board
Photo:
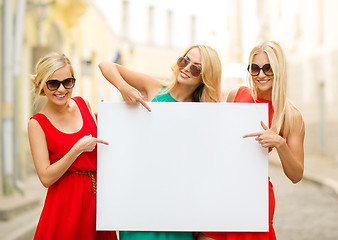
(182, 167)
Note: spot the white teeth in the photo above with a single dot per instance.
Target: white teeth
(60, 96)
(184, 75)
(262, 81)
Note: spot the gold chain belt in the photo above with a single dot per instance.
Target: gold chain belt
(90, 174)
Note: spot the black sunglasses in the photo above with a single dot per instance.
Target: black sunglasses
(67, 83)
(254, 69)
(183, 62)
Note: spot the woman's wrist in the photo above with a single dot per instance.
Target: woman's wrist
(123, 86)
(75, 151)
(281, 143)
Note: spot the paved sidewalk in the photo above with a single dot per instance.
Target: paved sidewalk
(23, 212)
(317, 168)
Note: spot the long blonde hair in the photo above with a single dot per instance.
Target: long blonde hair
(282, 118)
(210, 89)
(45, 68)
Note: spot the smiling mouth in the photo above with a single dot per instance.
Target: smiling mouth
(184, 75)
(263, 81)
(60, 95)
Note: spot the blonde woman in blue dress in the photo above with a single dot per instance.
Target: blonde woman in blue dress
(196, 78)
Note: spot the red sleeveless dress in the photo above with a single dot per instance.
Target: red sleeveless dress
(69, 211)
(244, 95)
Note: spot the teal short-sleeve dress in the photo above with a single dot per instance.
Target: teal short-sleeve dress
(147, 235)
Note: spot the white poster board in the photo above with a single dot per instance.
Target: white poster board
(182, 167)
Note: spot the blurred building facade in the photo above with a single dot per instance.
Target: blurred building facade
(76, 28)
(149, 35)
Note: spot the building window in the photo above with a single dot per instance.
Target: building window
(321, 25)
(151, 24)
(193, 30)
(169, 28)
(125, 20)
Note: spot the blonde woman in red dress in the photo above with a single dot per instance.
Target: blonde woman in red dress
(284, 132)
(63, 141)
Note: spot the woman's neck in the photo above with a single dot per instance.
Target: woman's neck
(266, 95)
(52, 108)
(182, 93)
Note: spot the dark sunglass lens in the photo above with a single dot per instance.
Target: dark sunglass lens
(267, 69)
(195, 71)
(53, 84)
(254, 70)
(68, 83)
(182, 62)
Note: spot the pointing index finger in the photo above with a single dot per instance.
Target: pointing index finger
(101, 141)
(144, 104)
(256, 134)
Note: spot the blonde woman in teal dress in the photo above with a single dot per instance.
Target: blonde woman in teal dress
(196, 78)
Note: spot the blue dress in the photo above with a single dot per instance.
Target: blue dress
(147, 235)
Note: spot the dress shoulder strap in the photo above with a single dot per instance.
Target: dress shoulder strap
(85, 112)
(244, 95)
(44, 122)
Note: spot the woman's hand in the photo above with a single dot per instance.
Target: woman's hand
(88, 143)
(49, 173)
(132, 96)
(267, 138)
(129, 83)
(290, 151)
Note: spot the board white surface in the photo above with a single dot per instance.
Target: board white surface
(182, 167)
